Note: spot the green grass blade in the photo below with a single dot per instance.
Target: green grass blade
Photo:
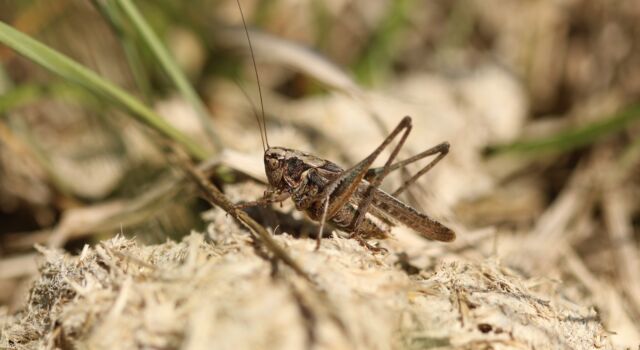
(169, 65)
(75, 72)
(25, 94)
(113, 16)
(574, 138)
(630, 156)
(19, 97)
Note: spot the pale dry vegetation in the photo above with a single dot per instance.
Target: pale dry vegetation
(104, 242)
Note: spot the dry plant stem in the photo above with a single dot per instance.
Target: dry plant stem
(88, 220)
(554, 222)
(82, 221)
(215, 197)
(287, 53)
(105, 216)
(605, 297)
(111, 215)
(618, 221)
(19, 241)
(18, 266)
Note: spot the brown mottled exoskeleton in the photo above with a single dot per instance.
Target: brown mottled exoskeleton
(326, 192)
(347, 198)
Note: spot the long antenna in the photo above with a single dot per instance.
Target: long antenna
(255, 113)
(255, 69)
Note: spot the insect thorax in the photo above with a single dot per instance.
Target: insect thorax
(288, 169)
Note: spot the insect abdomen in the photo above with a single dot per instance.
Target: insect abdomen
(368, 229)
(411, 218)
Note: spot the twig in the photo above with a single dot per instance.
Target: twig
(215, 197)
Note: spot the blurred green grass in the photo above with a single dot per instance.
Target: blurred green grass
(72, 71)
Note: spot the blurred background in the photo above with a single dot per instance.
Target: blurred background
(539, 100)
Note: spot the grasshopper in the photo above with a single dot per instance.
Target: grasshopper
(347, 198)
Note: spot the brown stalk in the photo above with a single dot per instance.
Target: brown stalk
(213, 195)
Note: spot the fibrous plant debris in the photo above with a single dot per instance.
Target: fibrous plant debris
(567, 222)
(218, 290)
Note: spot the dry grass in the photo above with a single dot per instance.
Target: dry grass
(547, 254)
(217, 292)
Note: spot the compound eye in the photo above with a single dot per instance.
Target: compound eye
(273, 163)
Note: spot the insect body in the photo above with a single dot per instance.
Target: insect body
(346, 197)
(349, 198)
(304, 178)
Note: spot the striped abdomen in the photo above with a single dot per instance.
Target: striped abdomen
(344, 218)
(421, 223)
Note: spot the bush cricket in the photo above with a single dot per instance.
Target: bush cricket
(347, 198)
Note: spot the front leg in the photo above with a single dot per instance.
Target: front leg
(268, 198)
